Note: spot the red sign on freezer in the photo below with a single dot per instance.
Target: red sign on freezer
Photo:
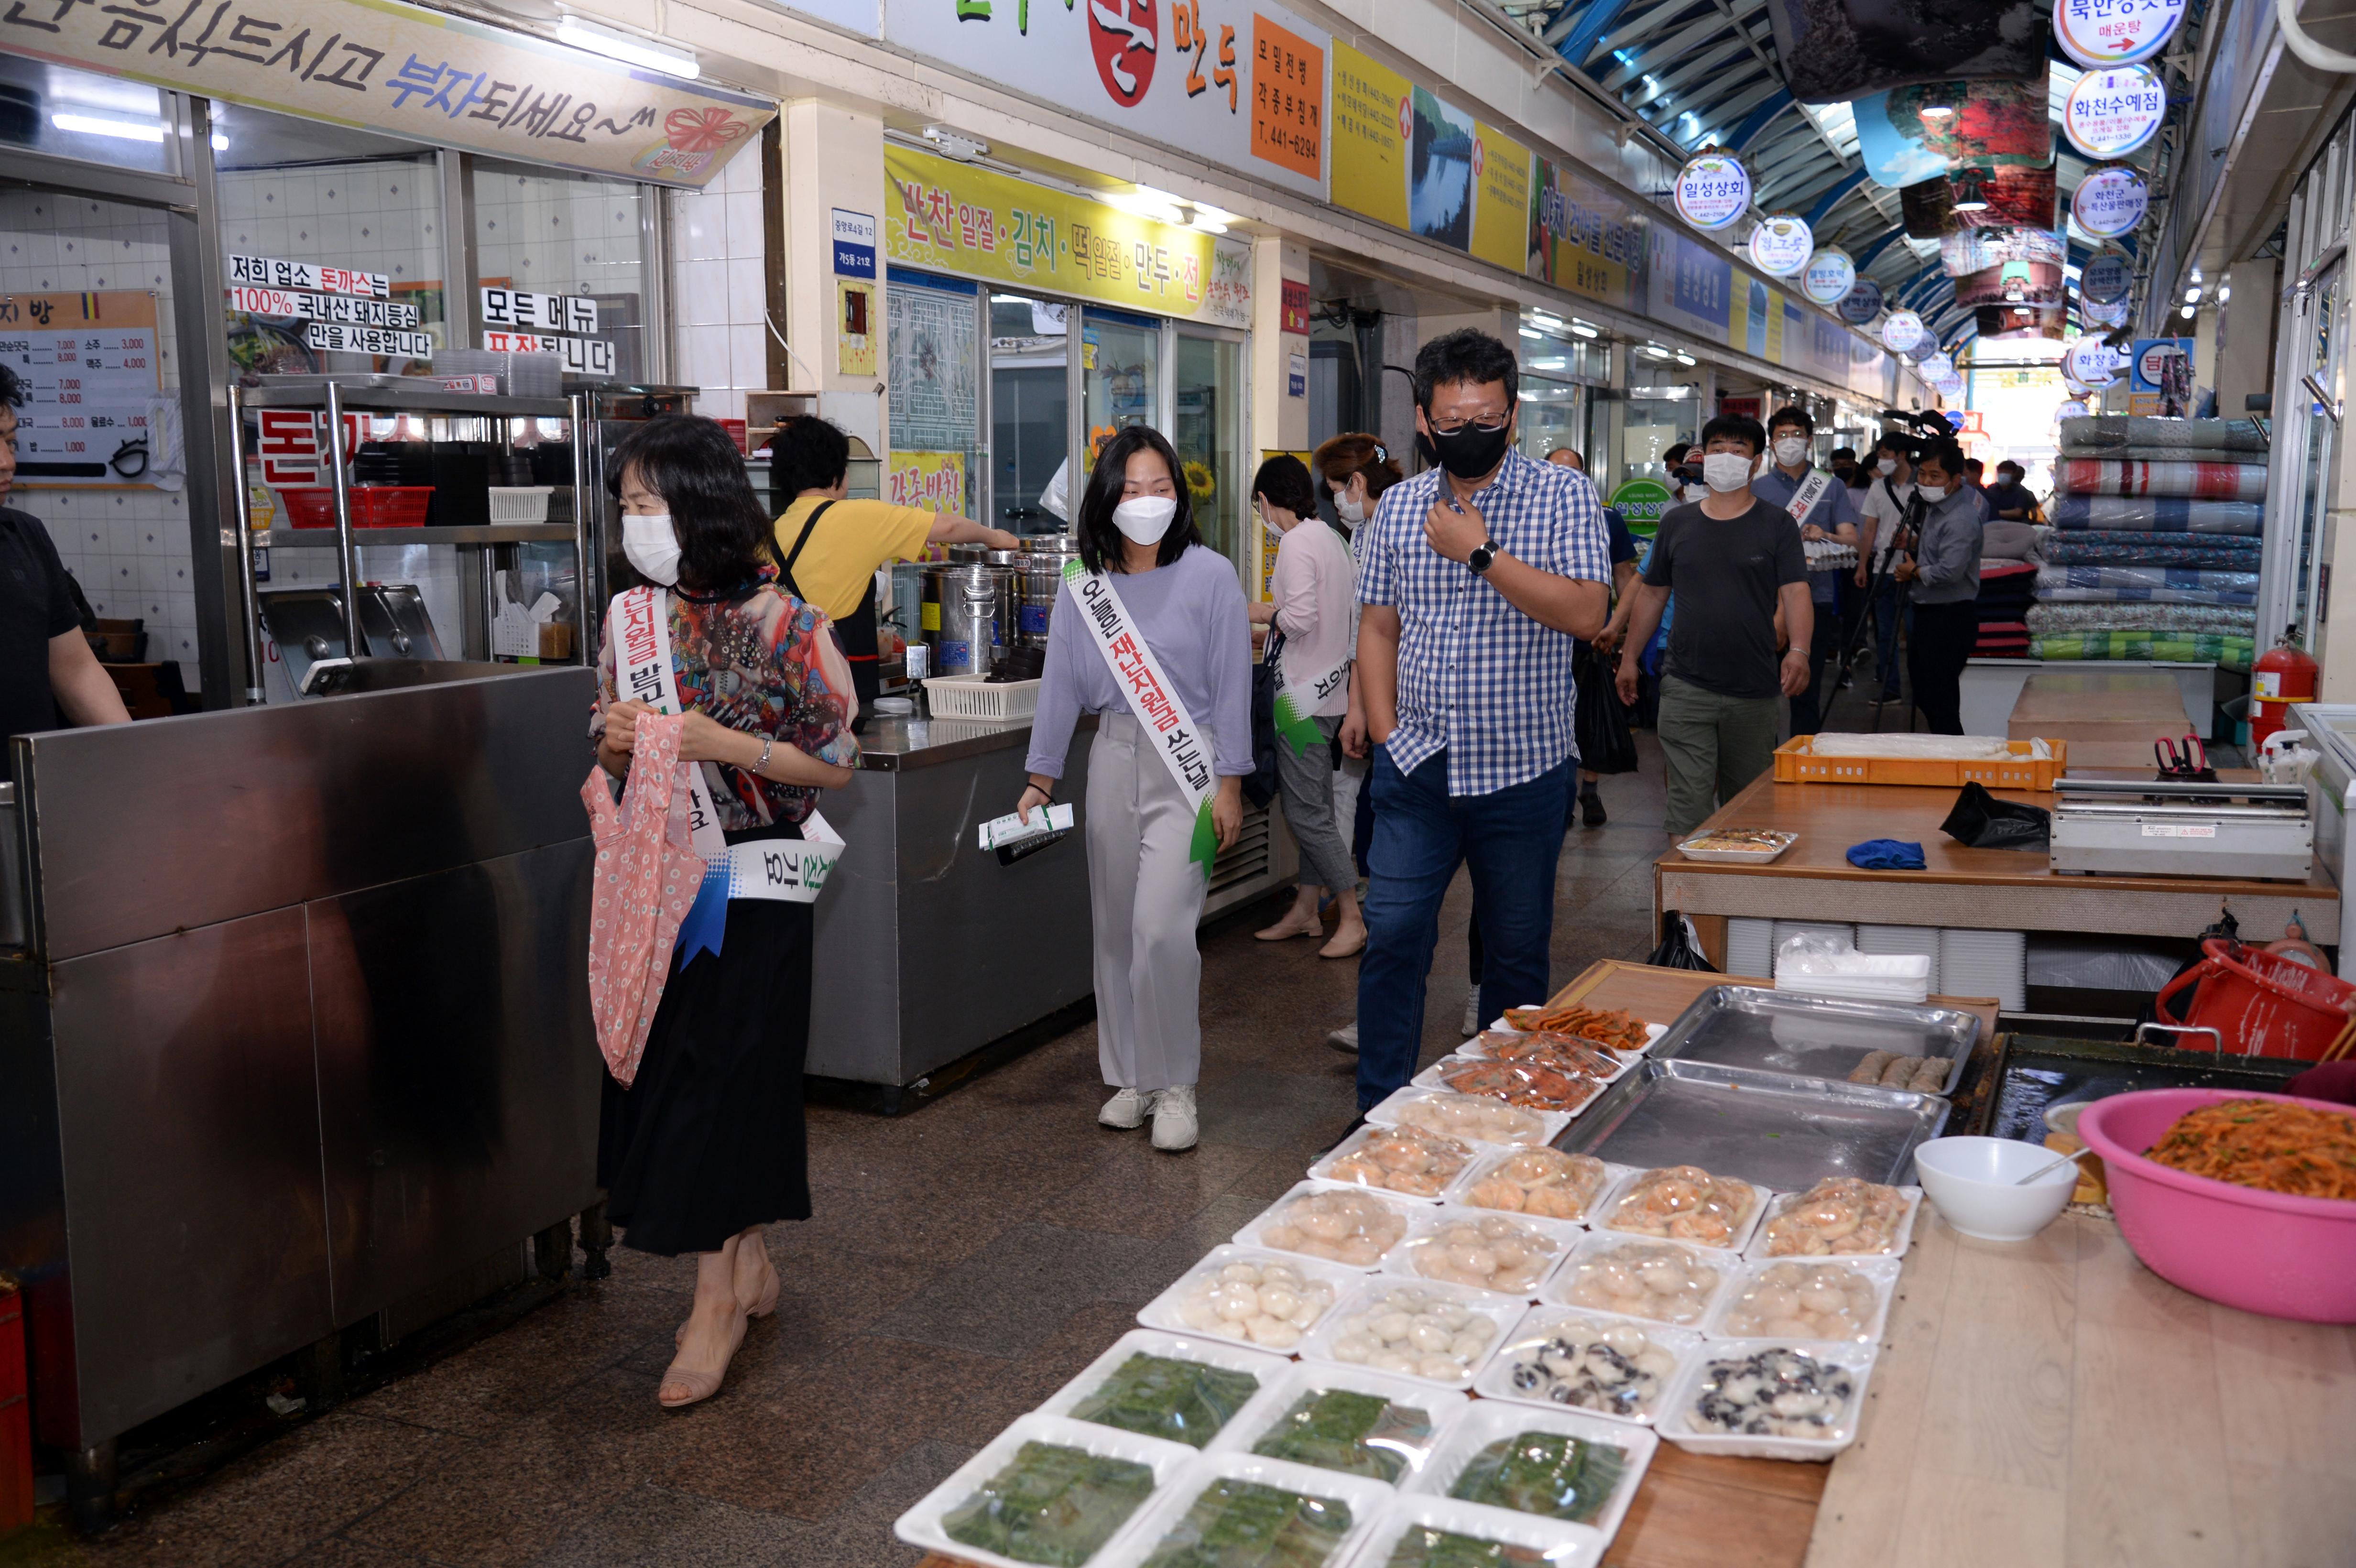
(583, 356)
(262, 273)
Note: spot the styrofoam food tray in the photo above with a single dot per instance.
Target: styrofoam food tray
(1407, 1208)
(1550, 1122)
(1491, 1420)
(1757, 1247)
(1162, 1312)
(1557, 1291)
(1402, 1259)
(1501, 1312)
(1556, 1542)
(1365, 1500)
(1444, 1406)
(1322, 1171)
(1204, 1349)
(1737, 856)
(1760, 1197)
(1459, 1191)
(1540, 1324)
(1856, 1357)
(921, 1526)
(1882, 1272)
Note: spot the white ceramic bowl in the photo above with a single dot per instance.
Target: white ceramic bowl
(1970, 1182)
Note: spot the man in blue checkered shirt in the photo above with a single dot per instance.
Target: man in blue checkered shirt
(1476, 576)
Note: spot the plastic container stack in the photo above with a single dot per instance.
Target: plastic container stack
(2155, 540)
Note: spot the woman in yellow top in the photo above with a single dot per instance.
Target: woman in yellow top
(829, 549)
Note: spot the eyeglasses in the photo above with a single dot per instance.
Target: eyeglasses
(1487, 424)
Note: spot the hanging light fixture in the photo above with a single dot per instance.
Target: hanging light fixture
(1969, 197)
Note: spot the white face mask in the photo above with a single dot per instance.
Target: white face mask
(1791, 451)
(1886, 466)
(1267, 524)
(1933, 494)
(1145, 518)
(652, 546)
(1725, 471)
(1349, 511)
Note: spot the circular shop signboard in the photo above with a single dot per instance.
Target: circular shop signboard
(2073, 409)
(1938, 368)
(2110, 200)
(1902, 332)
(1781, 245)
(1829, 277)
(1862, 304)
(2093, 314)
(2097, 33)
(1712, 191)
(1642, 504)
(2092, 363)
(2107, 277)
(2112, 112)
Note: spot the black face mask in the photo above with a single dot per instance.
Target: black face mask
(1471, 452)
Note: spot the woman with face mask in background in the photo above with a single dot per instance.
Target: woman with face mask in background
(1165, 792)
(705, 1146)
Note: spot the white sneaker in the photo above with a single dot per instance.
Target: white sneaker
(1345, 1039)
(1472, 1014)
(1127, 1110)
(1175, 1126)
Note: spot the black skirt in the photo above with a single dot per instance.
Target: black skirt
(710, 1137)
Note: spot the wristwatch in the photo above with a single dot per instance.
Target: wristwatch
(1484, 557)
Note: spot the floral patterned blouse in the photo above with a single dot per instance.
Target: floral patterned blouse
(761, 661)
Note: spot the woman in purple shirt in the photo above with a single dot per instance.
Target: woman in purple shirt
(1145, 888)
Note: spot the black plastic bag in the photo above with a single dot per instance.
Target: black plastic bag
(1984, 822)
(1600, 724)
(1682, 948)
(1259, 784)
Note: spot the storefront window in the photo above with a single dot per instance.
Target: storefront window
(70, 113)
(570, 234)
(1207, 431)
(1030, 408)
(1120, 366)
(932, 335)
(1554, 414)
(1657, 416)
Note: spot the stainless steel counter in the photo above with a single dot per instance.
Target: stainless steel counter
(891, 744)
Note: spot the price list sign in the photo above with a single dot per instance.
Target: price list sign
(90, 368)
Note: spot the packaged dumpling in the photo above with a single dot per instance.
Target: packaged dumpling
(1492, 1253)
(1547, 1182)
(1659, 1280)
(1686, 1203)
(1352, 1228)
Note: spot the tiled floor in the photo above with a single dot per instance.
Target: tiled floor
(965, 1261)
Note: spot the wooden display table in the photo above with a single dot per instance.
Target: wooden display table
(2110, 718)
(1989, 889)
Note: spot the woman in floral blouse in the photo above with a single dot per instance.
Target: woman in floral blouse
(706, 1146)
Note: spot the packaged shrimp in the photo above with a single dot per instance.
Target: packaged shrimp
(1409, 1160)
(1530, 1083)
(1687, 1203)
(1841, 1216)
(1546, 1182)
(1473, 1118)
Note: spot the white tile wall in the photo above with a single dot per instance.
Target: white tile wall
(719, 290)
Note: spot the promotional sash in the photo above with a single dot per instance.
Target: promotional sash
(1159, 708)
(1297, 704)
(1811, 491)
(789, 871)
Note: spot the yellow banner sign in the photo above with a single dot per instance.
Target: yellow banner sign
(929, 481)
(1374, 124)
(1501, 199)
(953, 217)
(416, 73)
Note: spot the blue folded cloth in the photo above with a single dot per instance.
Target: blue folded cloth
(1886, 855)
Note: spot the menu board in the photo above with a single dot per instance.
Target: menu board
(89, 365)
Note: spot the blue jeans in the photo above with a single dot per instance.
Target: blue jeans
(1512, 839)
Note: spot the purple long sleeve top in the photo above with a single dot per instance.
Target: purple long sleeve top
(1191, 612)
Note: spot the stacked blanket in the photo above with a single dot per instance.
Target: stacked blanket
(2006, 589)
(2156, 540)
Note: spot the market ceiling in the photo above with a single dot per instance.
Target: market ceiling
(1707, 73)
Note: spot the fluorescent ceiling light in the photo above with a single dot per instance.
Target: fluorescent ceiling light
(97, 125)
(2192, 295)
(1584, 330)
(1685, 358)
(1534, 336)
(1546, 318)
(2188, 312)
(628, 47)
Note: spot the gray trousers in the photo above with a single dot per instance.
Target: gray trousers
(1306, 783)
(1145, 899)
(1712, 744)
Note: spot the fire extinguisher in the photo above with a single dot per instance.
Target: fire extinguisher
(2283, 674)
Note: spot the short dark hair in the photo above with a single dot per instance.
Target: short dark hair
(1676, 453)
(693, 464)
(1841, 451)
(1972, 463)
(1947, 455)
(1284, 480)
(1100, 537)
(1792, 413)
(1467, 355)
(2009, 466)
(1735, 427)
(12, 388)
(807, 454)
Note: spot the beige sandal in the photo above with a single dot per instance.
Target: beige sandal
(760, 1308)
(700, 1386)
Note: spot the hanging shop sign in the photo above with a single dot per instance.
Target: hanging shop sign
(955, 218)
(2107, 277)
(1938, 367)
(2111, 200)
(1828, 277)
(2008, 196)
(929, 481)
(1862, 304)
(2092, 363)
(1239, 84)
(1781, 245)
(2073, 409)
(2112, 112)
(1921, 132)
(2160, 377)
(2097, 33)
(1902, 332)
(89, 366)
(2093, 315)
(1585, 237)
(424, 74)
(1712, 191)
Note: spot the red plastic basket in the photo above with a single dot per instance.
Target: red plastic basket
(373, 506)
(2262, 1003)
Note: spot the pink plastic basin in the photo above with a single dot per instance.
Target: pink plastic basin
(2263, 1252)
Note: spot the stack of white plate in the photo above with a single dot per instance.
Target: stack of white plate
(1842, 936)
(1986, 963)
(1901, 977)
(1922, 939)
(1750, 947)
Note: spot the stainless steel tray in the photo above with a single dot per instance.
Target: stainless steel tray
(1813, 1037)
(1766, 1127)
